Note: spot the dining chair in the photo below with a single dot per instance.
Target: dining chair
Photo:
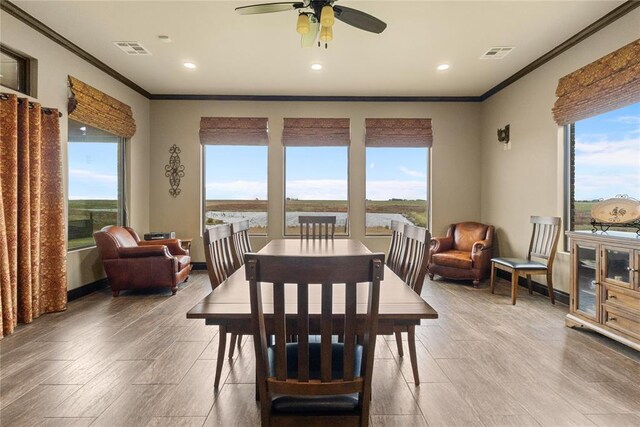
(394, 256)
(314, 383)
(219, 253)
(309, 224)
(412, 270)
(240, 245)
(543, 245)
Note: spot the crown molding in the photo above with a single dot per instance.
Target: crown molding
(591, 29)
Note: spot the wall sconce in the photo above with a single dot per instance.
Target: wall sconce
(503, 136)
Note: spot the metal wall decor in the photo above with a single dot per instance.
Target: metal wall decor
(174, 170)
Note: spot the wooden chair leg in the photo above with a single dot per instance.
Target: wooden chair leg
(550, 287)
(222, 343)
(232, 345)
(493, 276)
(412, 353)
(529, 284)
(514, 286)
(399, 344)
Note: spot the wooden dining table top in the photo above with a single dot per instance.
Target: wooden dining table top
(230, 300)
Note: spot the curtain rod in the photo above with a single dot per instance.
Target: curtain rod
(4, 97)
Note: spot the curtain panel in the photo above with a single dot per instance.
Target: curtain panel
(398, 133)
(607, 84)
(33, 276)
(307, 132)
(234, 131)
(95, 108)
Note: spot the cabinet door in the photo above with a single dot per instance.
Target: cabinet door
(586, 288)
(616, 266)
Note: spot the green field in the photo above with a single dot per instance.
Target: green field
(87, 216)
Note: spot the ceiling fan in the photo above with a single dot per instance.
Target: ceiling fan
(316, 18)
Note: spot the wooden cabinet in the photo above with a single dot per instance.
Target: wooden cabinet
(605, 284)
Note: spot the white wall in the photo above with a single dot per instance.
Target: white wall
(528, 179)
(54, 64)
(455, 184)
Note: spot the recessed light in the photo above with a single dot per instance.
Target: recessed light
(316, 67)
(189, 65)
(164, 39)
(443, 67)
(83, 128)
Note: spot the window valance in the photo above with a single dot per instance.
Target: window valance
(316, 132)
(609, 83)
(92, 107)
(398, 133)
(234, 131)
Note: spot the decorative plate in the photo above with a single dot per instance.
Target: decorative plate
(618, 210)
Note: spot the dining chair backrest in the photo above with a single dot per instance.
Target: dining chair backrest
(283, 372)
(415, 254)
(241, 243)
(544, 238)
(394, 257)
(311, 226)
(218, 251)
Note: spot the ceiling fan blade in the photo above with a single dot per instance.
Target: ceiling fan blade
(359, 19)
(268, 8)
(309, 39)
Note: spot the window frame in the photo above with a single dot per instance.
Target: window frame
(26, 71)
(203, 170)
(121, 201)
(347, 234)
(428, 188)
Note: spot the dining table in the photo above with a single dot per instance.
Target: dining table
(228, 306)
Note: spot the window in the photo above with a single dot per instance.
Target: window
(16, 71)
(96, 171)
(605, 153)
(396, 187)
(236, 185)
(316, 183)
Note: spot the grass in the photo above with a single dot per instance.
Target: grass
(101, 212)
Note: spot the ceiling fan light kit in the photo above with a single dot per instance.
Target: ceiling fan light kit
(317, 17)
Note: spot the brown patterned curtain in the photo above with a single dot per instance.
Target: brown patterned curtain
(316, 132)
(33, 279)
(95, 108)
(607, 84)
(234, 130)
(398, 133)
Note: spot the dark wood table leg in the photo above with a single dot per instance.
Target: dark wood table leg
(222, 344)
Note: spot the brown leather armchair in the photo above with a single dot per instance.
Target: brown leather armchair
(465, 253)
(134, 264)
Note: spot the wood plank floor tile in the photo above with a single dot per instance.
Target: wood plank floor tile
(442, 405)
(172, 365)
(391, 395)
(100, 392)
(236, 406)
(521, 420)
(30, 408)
(428, 369)
(617, 420)
(176, 422)
(23, 380)
(66, 422)
(398, 421)
(135, 406)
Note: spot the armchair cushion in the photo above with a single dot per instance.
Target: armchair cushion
(455, 259)
(467, 233)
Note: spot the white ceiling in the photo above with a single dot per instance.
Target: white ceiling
(261, 54)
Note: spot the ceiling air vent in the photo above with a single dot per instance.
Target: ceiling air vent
(132, 48)
(496, 52)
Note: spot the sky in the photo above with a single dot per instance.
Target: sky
(314, 173)
(608, 155)
(93, 170)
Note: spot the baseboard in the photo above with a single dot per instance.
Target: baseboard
(198, 266)
(539, 288)
(87, 289)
